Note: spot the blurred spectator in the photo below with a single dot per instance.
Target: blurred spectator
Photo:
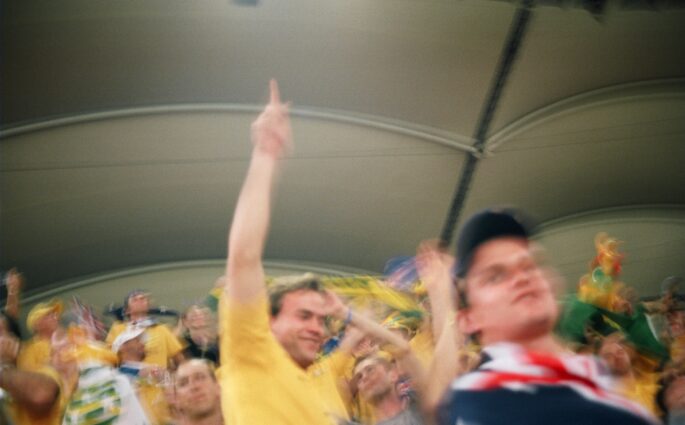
(633, 382)
(148, 380)
(200, 336)
(100, 395)
(507, 302)
(377, 378)
(43, 321)
(671, 398)
(162, 348)
(14, 281)
(198, 394)
(26, 397)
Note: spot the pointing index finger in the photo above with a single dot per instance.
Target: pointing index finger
(275, 95)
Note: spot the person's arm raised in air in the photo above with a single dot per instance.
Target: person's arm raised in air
(394, 343)
(14, 282)
(271, 136)
(435, 270)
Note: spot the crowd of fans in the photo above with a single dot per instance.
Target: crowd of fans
(475, 339)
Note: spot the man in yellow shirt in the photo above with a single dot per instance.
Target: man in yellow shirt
(146, 379)
(634, 381)
(162, 348)
(264, 359)
(43, 321)
(268, 372)
(31, 396)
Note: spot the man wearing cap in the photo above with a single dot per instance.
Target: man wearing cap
(526, 376)
(33, 396)
(162, 348)
(146, 379)
(37, 373)
(42, 321)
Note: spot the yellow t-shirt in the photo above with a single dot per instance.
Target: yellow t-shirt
(151, 397)
(24, 416)
(423, 346)
(160, 343)
(34, 354)
(260, 383)
(327, 375)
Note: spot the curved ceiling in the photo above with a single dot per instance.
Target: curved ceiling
(124, 131)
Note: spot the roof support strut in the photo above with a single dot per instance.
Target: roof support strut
(509, 52)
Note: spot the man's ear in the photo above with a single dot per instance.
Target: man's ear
(466, 322)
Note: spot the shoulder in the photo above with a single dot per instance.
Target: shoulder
(37, 341)
(114, 330)
(532, 405)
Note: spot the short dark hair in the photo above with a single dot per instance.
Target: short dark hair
(376, 357)
(285, 285)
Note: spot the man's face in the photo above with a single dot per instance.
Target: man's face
(197, 318)
(509, 295)
(617, 355)
(674, 399)
(374, 379)
(299, 326)
(197, 392)
(48, 323)
(138, 304)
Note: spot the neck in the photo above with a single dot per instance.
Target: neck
(546, 343)
(45, 334)
(388, 406)
(214, 418)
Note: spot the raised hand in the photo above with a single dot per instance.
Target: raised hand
(434, 265)
(334, 306)
(14, 281)
(9, 348)
(271, 131)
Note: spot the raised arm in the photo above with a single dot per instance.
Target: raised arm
(14, 283)
(435, 270)
(369, 327)
(271, 135)
(36, 391)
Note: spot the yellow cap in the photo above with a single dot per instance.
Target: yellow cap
(40, 310)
